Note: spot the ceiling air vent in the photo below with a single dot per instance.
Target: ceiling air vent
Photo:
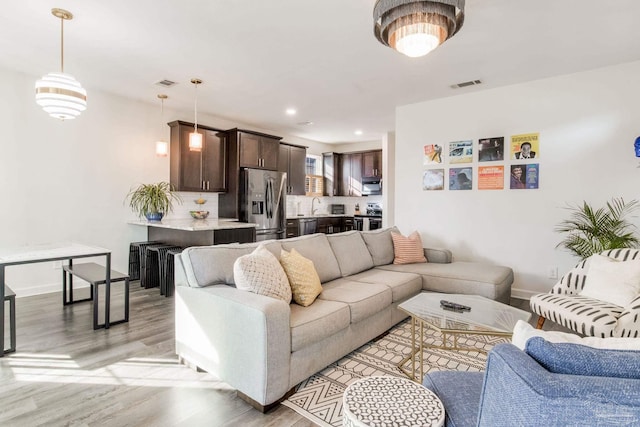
(166, 83)
(465, 84)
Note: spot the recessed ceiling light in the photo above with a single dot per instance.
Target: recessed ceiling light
(291, 111)
(305, 123)
(358, 132)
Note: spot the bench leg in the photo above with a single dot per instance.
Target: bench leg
(540, 322)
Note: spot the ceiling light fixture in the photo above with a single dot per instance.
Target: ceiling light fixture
(291, 111)
(59, 94)
(415, 28)
(358, 132)
(195, 138)
(162, 146)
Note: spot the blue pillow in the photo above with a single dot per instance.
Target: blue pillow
(576, 359)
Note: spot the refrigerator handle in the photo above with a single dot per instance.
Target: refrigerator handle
(268, 199)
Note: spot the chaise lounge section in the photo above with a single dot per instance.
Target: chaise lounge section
(264, 347)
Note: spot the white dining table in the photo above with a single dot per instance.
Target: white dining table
(53, 252)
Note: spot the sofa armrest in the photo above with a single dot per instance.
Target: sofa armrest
(627, 325)
(242, 338)
(518, 391)
(438, 256)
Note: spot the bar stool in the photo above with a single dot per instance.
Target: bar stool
(10, 296)
(134, 258)
(170, 272)
(150, 271)
(163, 253)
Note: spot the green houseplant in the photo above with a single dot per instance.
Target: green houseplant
(590, 231)
(153, 200)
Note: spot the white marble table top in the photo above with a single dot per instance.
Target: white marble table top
(189, 224)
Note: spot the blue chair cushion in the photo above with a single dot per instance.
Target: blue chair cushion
(460, 394)
(576, 359)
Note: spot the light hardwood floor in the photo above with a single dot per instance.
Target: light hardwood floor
(66, 374)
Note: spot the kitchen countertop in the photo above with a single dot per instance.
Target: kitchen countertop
(189, 224)
(319, 216)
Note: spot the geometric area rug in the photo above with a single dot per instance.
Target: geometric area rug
(319, 397)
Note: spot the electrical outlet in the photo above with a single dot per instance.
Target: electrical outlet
(553, 272)
(57, 265)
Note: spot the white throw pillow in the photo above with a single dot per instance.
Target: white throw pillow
(613, 281)
(523, 331)
(260, 272)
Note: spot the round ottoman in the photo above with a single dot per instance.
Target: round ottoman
(390, 401)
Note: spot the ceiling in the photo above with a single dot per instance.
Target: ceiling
(256, 58)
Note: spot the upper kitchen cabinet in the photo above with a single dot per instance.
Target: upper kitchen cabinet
(256, 150)
(331, 173)
(292, 161)
(372, 164)
(351, 174)
(198, 171)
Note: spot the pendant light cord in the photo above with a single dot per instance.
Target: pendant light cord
(62, 45)
(196, 109)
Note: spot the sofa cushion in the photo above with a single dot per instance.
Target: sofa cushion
(304, 281)
(213, 265)
(351, 252)
(316, 322)
(260, 272)
(472, 278)
(380, 244)
(576, 359)
(610, 280)
(402, 285)
(364, 299)
(316, 247)
(407, 250)
(523, 331)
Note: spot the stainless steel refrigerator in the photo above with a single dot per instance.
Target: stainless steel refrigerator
(262, 201)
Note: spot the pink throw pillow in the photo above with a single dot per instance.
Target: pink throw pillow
(408, 250)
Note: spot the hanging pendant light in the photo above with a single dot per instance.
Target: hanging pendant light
(162, 146)
(195, 138)
(59, 94)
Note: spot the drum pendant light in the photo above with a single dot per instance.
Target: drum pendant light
(195, 138)
(59, 94)
(162, 147)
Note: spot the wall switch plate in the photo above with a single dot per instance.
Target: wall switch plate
(553, 273)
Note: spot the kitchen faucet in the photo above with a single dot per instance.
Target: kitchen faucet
(313, 211)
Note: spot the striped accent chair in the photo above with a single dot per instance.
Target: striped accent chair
(587, 316)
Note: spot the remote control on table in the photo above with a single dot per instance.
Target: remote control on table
(448, 305)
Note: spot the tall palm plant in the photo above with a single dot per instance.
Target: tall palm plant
(590, 231)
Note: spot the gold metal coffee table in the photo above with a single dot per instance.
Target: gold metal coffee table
(487, 317)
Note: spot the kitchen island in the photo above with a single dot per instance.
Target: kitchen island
(198, 232)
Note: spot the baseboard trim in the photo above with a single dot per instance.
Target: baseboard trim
(522, 293)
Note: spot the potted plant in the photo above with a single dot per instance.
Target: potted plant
(153, 200)
(590, 231)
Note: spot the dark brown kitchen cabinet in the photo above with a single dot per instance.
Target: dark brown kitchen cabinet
(329, 225)
(258, 150)
(198, 171)
(331, 173)
(292, 161)
(351, 168)
(293, 229)
(372, 164)
(347, 223)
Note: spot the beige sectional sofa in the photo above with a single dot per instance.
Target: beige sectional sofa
(263, 346)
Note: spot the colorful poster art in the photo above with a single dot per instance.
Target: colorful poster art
(461, 152)
(491, 149)
(432, 154)
(525, 176)
(525, 146)
(460, 179)
(433, 179)
(490, 177)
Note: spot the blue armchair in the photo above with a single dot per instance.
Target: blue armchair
(520, 390)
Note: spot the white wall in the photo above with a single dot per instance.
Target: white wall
(587, 124)
(67, 181)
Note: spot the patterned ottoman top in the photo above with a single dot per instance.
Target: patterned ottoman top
(390, 401)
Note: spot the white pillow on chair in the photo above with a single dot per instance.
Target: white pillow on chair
(613, 281)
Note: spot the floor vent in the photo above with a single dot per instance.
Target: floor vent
(465, 84)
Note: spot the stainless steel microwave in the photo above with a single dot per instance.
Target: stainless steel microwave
(371, 186)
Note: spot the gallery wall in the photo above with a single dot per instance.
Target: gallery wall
(67, 181)
(587, 123)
